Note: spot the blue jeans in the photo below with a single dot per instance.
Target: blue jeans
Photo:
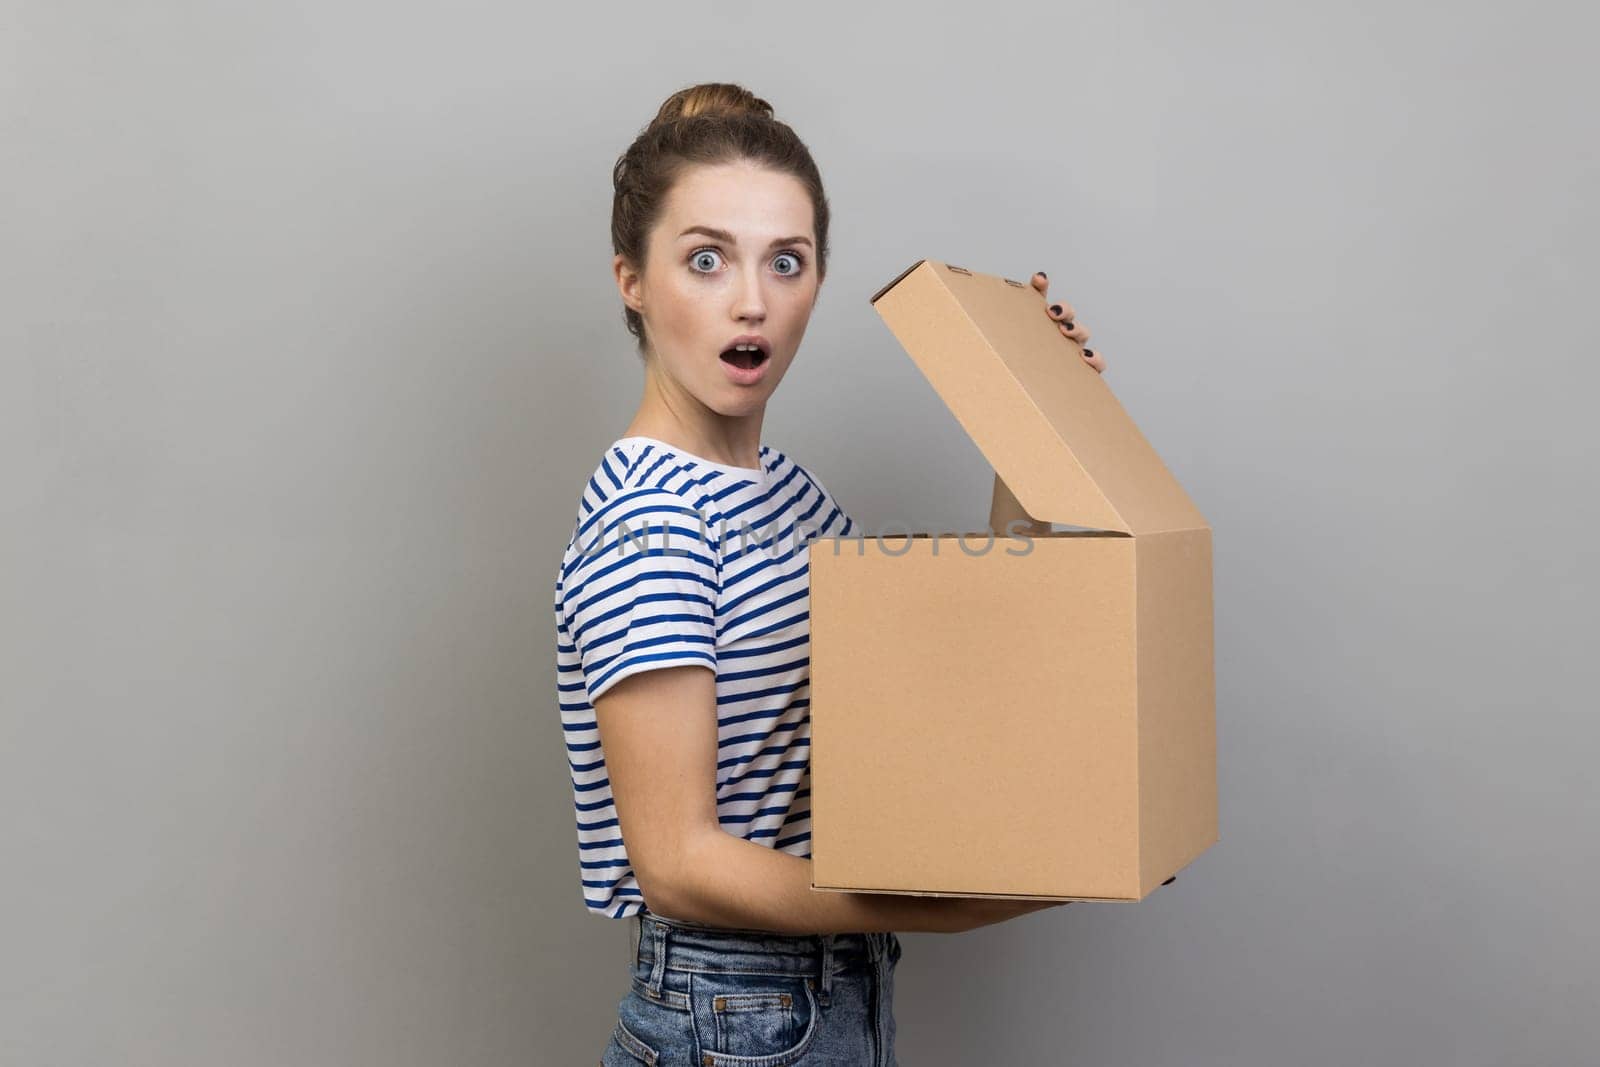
(704, 996)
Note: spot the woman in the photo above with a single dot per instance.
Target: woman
(683, 630)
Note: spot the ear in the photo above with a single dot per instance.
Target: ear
(628, 281)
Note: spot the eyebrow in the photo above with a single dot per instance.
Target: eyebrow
(724, 235)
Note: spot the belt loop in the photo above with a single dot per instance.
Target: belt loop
(825, 979)
(658, 934)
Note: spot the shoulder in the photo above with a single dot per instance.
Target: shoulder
(632, 478)
(636, 533)
(780, 464)
(632, 466)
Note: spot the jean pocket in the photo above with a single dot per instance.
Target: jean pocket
(628, 1042)
(653, 1025)
(754, 1020)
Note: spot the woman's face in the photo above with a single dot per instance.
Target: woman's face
(701, 290)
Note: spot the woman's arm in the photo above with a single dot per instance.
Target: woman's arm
(737, 883)
(658, 731)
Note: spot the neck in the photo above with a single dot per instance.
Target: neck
(683, 422)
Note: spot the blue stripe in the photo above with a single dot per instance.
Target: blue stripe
(674, 657)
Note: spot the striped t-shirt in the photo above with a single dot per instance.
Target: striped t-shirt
(677, 560)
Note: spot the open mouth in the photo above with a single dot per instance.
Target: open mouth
(744, 360)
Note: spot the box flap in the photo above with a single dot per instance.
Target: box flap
(1043, 418)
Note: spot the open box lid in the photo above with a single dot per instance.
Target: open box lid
(1043, 418)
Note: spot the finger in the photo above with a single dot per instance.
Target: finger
(1041, 281)
(1061, 311)
(1075, 330)
(1094, 359)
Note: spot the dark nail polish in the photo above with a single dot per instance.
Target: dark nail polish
(1069, 324)
(1055, 309)
(1088, 352)
(1043, 275)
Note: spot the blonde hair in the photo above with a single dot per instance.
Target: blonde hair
(706, 124)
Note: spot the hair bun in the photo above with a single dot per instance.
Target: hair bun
(711, 98)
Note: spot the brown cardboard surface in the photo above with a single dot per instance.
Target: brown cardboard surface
(1031, 719)
(1047, 423)
(1177, 738)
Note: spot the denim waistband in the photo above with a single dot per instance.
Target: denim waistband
(663, 944)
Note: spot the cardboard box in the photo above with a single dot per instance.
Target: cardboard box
(1034, 719)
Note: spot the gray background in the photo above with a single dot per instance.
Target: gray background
(310, 342)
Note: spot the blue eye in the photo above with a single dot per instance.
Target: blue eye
(704, 261)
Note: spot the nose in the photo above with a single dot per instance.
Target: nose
(750, 303)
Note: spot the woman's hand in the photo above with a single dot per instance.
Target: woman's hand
(1061, 312)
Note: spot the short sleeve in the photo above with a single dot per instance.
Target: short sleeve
(641, 590)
